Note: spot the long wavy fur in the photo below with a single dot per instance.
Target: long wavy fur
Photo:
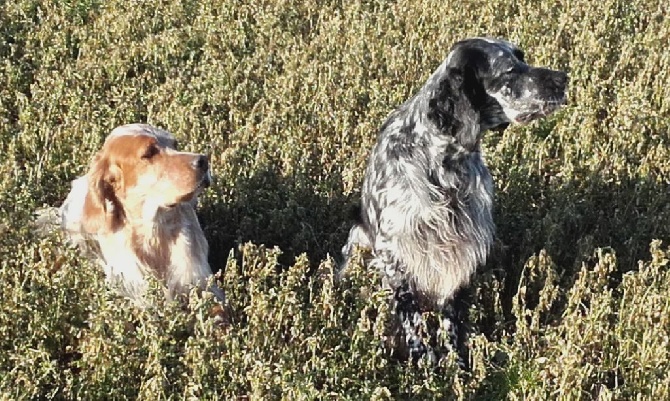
(427, 196)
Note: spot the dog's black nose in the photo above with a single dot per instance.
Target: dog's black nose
(548, 79)
(201, 163)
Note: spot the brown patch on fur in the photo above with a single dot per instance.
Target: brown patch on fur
(154, 248)
(139, 209)
(134, 166)
(102, 209)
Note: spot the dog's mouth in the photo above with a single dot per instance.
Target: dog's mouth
(204, 183)
(543, 110)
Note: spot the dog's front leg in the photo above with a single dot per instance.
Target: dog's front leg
(403, 302)
(407, 309)
(452, 330)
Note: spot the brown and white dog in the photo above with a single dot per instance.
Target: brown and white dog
(134, 210)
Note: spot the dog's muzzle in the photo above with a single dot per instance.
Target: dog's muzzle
(543, 110)
(546, 91)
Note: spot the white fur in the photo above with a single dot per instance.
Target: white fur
(185, 267)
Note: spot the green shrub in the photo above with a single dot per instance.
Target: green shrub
(287, 97)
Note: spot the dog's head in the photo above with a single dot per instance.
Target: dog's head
(137, 173)
(500, 85)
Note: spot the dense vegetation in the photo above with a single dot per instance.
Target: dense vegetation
(287, 96)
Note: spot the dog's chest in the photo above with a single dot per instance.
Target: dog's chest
(463, 175)
(465, 187)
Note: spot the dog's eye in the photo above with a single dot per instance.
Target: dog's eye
(150, 152)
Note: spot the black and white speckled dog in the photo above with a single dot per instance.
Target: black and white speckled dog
(427, 195)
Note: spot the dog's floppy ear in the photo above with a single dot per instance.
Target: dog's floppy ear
(103, 213)
(442, 106)
(473, 89)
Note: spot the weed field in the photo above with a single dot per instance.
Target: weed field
(287, 96)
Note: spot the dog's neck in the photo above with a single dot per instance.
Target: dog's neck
(166, 238)
(171, 246)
